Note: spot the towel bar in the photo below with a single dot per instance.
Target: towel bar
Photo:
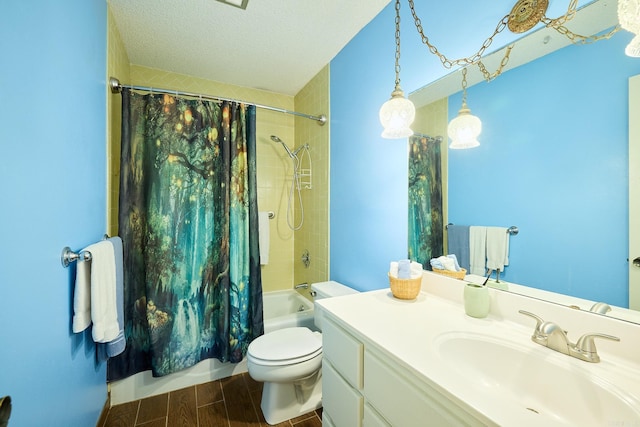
(68, 256)
(513, 230)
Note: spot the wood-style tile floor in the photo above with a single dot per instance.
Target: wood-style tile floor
(229, 402)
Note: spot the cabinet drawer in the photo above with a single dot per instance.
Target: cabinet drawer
(372, 418)
(340, 401)
(344, 351)
(403, 403)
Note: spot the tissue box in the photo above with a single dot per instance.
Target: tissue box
(405, 288)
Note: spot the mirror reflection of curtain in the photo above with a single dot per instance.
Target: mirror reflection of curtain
(188, 220)
(425, 200)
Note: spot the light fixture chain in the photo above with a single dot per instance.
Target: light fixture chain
(464, 88)
(558, 25)
(397, 43)
(578, 38)
(505, 59)
(450, 63)
(568, 16)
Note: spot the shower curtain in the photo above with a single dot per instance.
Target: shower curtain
(425, 200)
(188, 220)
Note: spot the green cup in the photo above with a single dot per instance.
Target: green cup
(477, 302)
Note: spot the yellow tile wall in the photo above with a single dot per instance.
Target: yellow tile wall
(118, 67)
(274, 174)
(314, 233)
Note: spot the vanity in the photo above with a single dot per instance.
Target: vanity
(391, 362)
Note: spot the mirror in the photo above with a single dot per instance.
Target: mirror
(553, 160)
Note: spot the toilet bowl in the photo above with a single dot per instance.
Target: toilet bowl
(289, 363)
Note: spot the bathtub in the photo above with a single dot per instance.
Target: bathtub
(282, 309)
(285, 309)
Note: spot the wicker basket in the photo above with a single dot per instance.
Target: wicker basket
(455, 274)
(405, 288)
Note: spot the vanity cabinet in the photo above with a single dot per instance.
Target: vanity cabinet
(342, 375)
(363, 386)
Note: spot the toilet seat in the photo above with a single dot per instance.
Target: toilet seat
(285, 347)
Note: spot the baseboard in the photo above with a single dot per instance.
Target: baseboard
(105, 411)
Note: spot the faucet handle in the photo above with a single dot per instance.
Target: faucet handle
(586, 343)
(600, 308)
(539, 321)
(585, 348)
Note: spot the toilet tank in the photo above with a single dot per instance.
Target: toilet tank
(328, 289)
(331, 289)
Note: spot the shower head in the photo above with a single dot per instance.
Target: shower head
(275, 138)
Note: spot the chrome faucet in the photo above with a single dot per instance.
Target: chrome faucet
(549, 334)
(304, 285)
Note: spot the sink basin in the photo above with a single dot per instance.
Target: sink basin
(560, 391)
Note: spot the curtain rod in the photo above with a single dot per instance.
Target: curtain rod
(116, 87)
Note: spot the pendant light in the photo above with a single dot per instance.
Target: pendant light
(397, 114)
(629, 18)
(465, 128)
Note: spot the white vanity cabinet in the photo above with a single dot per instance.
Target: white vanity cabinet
(342, 376)
(361, 386)
(424, 362)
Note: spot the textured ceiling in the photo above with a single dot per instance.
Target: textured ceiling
(274, 45)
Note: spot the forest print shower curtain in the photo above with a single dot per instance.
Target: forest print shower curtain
(188, 220)
(425, 200)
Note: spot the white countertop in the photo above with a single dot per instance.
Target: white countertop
(408, 332)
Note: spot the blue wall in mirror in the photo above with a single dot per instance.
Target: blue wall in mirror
(553, 161)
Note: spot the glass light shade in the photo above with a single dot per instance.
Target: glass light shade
(633, 48)
(464, 130)
(396, 115)
(629, 15)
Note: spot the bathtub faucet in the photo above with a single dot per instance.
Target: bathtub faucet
(304, 285)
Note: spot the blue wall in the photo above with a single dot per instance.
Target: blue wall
(553, 161)
(369, 174)
(53, 192)
(368, 205)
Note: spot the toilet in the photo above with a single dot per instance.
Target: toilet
(289, 363)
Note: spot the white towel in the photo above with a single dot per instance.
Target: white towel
(497, 248)
(104, 313)
(117, 346)
(263, 237)
(393, 269)
(477, 249)
(416, 270)
(414, 267)
(82, 297)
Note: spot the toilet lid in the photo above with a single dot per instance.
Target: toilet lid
(286, 344)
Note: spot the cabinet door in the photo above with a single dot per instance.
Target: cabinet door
(343, 351)
(326, 420)
(403, 403)
(340, 401)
